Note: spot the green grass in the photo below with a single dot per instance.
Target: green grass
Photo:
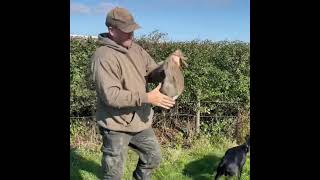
(196, 163)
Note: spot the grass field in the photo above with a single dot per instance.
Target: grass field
(198, 162)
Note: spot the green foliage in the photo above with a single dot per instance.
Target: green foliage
(82, 94)
(219, 128)
(218, 71)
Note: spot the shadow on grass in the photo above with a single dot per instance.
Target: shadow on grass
(202, 169)
(77, 163)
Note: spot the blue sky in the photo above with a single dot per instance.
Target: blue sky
(182, 20)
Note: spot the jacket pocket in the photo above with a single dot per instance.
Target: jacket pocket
(128, 117)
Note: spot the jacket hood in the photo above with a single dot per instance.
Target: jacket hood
(104, 40)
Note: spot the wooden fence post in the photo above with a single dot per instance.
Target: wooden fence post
(198, 118)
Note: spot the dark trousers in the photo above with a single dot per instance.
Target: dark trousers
(115, 149)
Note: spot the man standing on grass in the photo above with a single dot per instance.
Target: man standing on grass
(121, 70)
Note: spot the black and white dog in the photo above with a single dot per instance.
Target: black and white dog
(233, 160)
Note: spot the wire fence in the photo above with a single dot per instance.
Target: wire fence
(209, 112)
(216, 118)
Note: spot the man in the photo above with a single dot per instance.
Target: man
(121, 70)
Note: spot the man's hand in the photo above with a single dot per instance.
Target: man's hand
(155, 97)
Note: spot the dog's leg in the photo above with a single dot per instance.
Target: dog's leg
(240, 172)
(217, 175)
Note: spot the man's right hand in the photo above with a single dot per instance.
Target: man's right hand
(156, 98)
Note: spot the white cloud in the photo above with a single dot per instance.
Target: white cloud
(100, 8)
(163, 4)
(79, 8)
(103, 7)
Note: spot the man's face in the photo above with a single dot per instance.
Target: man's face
(122, 38)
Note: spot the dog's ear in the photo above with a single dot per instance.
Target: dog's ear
(248, 140)
(247, 149)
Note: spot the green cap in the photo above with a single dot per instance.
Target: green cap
(122, 19)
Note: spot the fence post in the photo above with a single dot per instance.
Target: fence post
(198, 118)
